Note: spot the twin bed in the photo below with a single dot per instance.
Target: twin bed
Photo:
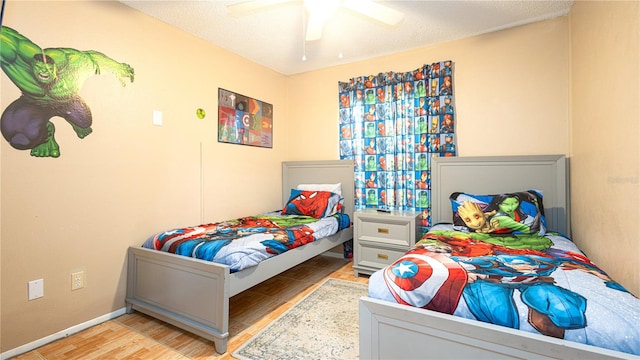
(532, 284)
(193, 293)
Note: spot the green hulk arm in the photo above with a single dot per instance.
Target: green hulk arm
(514, 241)
(66, 75)
(101, 62)
(84, 64)
(16, 56)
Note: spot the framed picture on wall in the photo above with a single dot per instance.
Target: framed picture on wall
(244, 120)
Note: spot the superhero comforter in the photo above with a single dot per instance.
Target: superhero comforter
(540, 284)
(246, 241)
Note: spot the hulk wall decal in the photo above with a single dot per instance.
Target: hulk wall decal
(49, 80)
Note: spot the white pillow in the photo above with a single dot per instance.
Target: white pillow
(334, 188)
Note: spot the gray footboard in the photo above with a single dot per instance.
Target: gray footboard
(393, 331)
(194, 294)
(188, 293)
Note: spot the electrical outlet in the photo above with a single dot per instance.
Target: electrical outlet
(77, 280)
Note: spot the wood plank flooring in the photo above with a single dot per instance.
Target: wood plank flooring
(138, 336)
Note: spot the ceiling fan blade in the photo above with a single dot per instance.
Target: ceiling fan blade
(314, 27)
(375, 11)
(255, 6)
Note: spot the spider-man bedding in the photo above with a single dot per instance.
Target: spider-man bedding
(541, 284)
(245, 242)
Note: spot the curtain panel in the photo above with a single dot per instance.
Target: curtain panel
(392, 125)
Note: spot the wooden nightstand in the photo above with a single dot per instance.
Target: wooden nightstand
(380, 238)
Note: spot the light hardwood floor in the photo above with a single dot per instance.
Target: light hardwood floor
(137, 336)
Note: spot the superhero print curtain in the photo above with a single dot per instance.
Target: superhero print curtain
(392, 125)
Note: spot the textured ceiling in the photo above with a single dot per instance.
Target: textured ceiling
(274, 38)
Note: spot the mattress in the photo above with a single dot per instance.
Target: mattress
(537, 283)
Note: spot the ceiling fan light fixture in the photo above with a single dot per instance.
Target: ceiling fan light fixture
(323, 9)
(253, 7)
(314, 28)
(319, 11)
(375, 11)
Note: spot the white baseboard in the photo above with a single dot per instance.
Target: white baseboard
(85, 325)
(61, 334)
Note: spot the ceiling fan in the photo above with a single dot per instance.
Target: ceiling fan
(320, 10)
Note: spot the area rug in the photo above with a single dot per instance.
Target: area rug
(323, 325)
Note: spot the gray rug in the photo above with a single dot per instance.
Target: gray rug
(323, 325)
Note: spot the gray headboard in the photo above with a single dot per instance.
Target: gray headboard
(320, 172)
(502, 174)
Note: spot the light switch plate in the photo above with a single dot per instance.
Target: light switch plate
(36, 289)
(157, 117)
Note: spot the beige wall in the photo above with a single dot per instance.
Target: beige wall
(605, 151)
(508, 82)
(128, 178)
(114, 188)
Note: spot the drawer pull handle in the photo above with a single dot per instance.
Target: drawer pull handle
(383, 256)
(383, 231)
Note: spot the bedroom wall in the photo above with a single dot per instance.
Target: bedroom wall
(128, 178)
(605, 129)
(511, 92)
(118, 185)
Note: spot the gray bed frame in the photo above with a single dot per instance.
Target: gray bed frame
(393, 331)
(194, 294)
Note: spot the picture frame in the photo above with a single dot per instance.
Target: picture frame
(244, 120)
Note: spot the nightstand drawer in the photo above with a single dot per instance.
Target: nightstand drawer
(388, 232)
(380, 238)
(378, 257)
